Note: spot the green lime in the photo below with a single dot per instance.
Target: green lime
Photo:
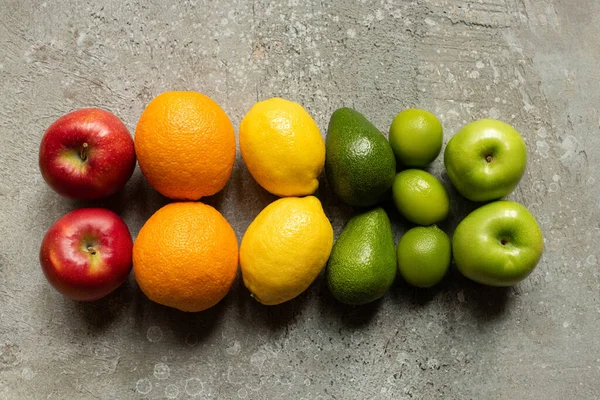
(424, 255)
(416, 137)
(420, 197)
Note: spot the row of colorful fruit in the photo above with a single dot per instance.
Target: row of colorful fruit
(186, 255)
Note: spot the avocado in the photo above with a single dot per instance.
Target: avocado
(359, 161)
(362, 265)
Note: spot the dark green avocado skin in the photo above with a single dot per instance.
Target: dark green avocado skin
(362, 266)
(359, 161)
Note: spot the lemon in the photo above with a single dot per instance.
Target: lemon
(416, 137)
(420, 197)
(285, 248)
(424, 255)
(282, 147)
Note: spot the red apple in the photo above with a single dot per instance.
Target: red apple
(86, 254)
(87, 154)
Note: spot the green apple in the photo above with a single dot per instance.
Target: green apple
(485, 160)
(498, 244)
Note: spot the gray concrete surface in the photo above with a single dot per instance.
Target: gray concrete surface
(532, 63)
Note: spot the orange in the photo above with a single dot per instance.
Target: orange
(186, 256)
(185, 145)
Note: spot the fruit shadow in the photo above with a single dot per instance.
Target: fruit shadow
(188, 328)
(401, 167)
(99, 315)
(485, 303)
(245, 197)
(349, 316)
(336, 210)
(399, 224)
(135, 202)
(460, 207)
(217, 200)
(253, 314)
(411, 296)
(138, 200)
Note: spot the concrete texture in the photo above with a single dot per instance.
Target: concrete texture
(532, 63)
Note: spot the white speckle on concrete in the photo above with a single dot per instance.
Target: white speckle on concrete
(565, 324)
(357, 337)
(194, 386)
(542, 148)
(27, 374)
(569, 144)
(430, 22)
(556, 177)
(542, 132)
(161, 371)
(513, 42)
(592, 260)
(433, 363)
(143, 386)
(474, 74)
(154, 334)
(234, 348)
(258, 358)
(494, 113)
(461, 296)
(236, 376)
(351, 33)
(379, 15)
(81, 39)
(171, 391)
(538, 187)
(242, 393)
(479, 64)
(553, 187)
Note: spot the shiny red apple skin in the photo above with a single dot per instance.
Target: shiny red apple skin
(86, 254)
(87, 154)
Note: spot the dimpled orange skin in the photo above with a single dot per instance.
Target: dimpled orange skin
(185, 145)
(186, 256)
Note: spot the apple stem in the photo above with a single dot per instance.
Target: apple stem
(489, 159)
(83, 152)
(91, 250)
